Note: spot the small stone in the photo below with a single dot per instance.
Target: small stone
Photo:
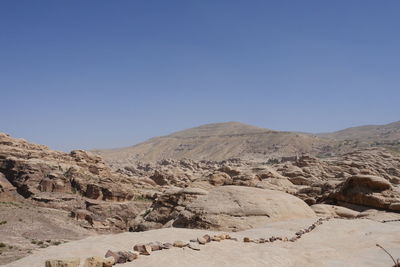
(167, 245)
(301, 232)
(247, 240)
(128, 255)
(142, 249)
(95, 262)
(207, 238)
(201, 240)
(63, 263)
(221, 236)
(108, 262)
(180, 244)
(155, 246)
(115, 255)
(216, 238)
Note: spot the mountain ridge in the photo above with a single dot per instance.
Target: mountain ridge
(220, 141)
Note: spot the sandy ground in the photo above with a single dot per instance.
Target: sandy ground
(25, 228)
(335, 243)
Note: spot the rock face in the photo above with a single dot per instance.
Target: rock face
(7, 191)
(166, 208)
(239, 207)
(73, 182)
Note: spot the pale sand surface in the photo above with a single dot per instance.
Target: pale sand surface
(335, 243)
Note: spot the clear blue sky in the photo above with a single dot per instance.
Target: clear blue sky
(99, 74)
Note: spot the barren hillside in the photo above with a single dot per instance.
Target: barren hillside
(220, 141)
(387, 135)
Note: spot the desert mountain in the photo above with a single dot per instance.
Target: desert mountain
(387, 135)
(220, 141)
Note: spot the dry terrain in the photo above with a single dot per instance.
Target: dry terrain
(220, 141)
(335, 243)
(313, 211)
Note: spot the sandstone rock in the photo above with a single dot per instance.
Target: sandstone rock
(201, 240)
(166, 208)
(63, 263)
(108, 262)
(238, 207)
(167, 245)
(142, 249)
(394, 206)
(180, 244)
(128, 256)
(63, 180)
(219, 178)
(207, 238)
(117, 257)
(369, 191)
(99, 262)
(155, 246)
(122, 256)
(216, 238)
(374, 183)
(7, 191)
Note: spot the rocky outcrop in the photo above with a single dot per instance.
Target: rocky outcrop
(166, 208)
(369, 191)
(239, 207)
(69, 181)
(328, 211)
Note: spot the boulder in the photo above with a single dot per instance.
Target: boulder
(375, 183)
(239, 208)
(368, 191)
(219, 178)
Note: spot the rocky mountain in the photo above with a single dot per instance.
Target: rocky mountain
(220, 141)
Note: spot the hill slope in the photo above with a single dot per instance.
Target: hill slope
(387, 135)
(368, 133)
(219, 141)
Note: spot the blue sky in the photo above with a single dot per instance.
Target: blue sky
(100, 74)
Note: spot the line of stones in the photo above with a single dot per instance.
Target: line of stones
(119, 257)
(297, 235)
